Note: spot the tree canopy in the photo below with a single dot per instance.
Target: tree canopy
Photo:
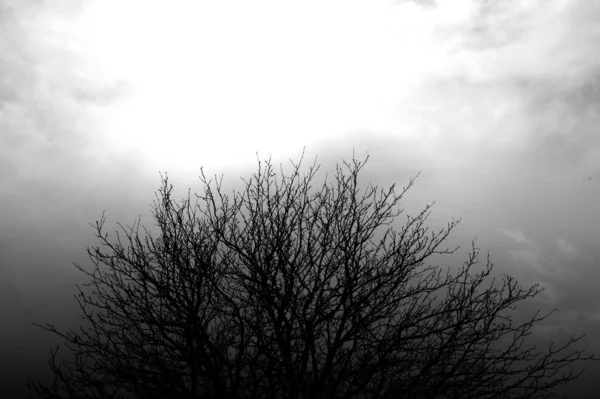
(282, 291)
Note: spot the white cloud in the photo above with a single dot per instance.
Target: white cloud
(222, 80)
(517, 236)
(212, 82)
(515, 77)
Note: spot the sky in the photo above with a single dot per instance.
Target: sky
(496, 104)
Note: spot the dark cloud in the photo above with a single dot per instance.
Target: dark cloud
(54, 176)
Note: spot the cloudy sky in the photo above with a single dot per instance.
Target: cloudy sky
(495, 103)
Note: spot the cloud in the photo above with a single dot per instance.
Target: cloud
(49, 120)
(511, 40)
(532, 256)
(517, 236)
(515, 79)
(495, 102)
(566, 247)
(566, 271)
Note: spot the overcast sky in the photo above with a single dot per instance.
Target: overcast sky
(495, 103)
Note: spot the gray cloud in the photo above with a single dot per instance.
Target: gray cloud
(504, 133)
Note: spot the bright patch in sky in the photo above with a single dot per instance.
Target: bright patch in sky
(225, 79)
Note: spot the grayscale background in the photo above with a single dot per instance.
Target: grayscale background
(496, 103)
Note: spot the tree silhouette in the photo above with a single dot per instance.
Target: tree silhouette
(285, 292)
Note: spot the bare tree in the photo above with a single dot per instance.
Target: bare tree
(286, 292)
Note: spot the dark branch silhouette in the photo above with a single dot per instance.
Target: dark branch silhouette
(285, 292)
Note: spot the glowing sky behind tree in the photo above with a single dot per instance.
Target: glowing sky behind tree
(496, 103)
